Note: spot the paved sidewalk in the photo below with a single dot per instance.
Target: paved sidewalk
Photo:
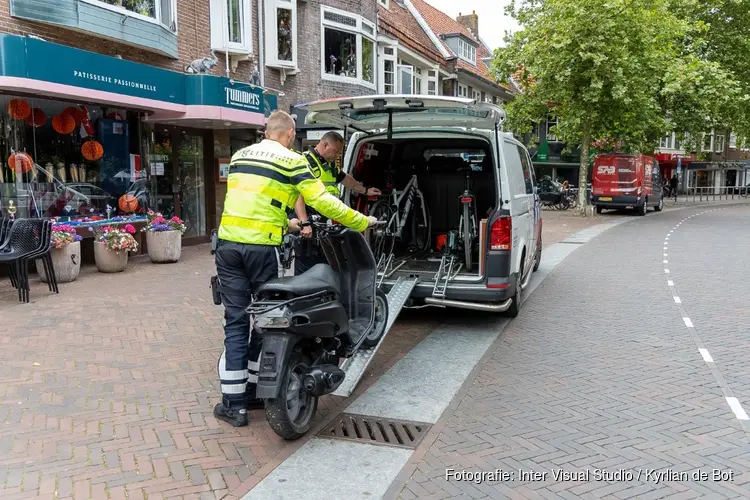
(107, 390)
(598, 372)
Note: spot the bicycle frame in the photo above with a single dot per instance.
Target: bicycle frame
(468, 198)
(405, 196)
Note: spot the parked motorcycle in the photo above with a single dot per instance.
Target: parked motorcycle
(313, 321)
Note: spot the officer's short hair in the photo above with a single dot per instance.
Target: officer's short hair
(279, 121)
(333, 138)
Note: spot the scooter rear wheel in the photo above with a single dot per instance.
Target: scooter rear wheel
(381, 318)
(291, 414)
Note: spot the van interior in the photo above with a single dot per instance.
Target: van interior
(440, 165)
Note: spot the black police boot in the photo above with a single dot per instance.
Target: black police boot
(237, 418)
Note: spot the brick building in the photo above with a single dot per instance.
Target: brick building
(422, 50)
(118, 72)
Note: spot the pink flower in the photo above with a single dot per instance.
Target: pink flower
(129, 228)
(176, 220)
(159, 220)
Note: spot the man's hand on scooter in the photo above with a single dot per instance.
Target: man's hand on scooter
(373, 192)
(307, 232)
(372, 220)
(294, 226)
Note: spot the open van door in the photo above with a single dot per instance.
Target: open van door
(392, 112)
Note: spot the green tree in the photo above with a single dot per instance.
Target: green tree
(611, 71)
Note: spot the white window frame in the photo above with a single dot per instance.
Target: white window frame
(135, 15)
(408, 68)
(360, 31)
(476, 95)
(382, 58)
(271, 34)
(219, 16)
(432, 77)
(463, 90)
(732, 141)
(718, 143)
(710, 147)
(667, 142)
(467, 51)
(385, 3)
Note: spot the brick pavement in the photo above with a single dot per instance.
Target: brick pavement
(599, 372)
(107, 390)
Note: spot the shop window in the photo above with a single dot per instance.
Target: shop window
(161, 11)
(281, 32)
(387, 80)
(231, 25)
(467, 51)
(68, 160)
(348, 47)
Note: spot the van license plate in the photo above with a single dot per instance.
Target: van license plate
(605, 199)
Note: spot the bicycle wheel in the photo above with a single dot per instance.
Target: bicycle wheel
(421, 225)
(468, 236)
(381, 238)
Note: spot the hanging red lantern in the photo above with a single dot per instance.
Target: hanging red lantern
(37, 118)
(18, 109)
(20, 162)
(63, 123)
(75, 112)
(92, 150)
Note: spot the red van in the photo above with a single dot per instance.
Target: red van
(626, 181)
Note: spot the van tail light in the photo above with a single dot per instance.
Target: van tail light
(500, 234)
(466, 199)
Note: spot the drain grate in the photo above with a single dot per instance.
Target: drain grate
(374, 430)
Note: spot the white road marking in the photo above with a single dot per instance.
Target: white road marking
(665, 255)
(706, 356)
(677, 300)
(670, 283)
(666, 271)
(688, 323)
(736, 407)
(666, 261)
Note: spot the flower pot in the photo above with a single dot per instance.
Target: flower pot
(164, 246)
(66, 261)
(109, 261)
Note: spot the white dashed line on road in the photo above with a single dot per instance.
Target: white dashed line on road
(706, 355)
(665, 255)
(736, 407)
(688, 323)
(666, 271)
(670, 283)
(677, 300)
(666, 262)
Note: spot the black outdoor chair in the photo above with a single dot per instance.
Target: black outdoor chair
(28, 239)
(5, 224)
(45, 255)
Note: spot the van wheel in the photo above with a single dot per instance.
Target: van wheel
(515, 305)
(660, 206)
(599, 209)
(291, 414)
(538, 259)
(643, 209)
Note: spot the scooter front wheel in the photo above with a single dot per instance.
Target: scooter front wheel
(381, 318)
(291, 414)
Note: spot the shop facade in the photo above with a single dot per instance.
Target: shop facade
(81, 131)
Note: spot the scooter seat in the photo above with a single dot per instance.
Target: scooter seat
(318, 278)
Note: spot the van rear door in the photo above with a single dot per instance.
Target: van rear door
(616, 176)
(393, 112)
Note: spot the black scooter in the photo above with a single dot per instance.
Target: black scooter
(313, 321)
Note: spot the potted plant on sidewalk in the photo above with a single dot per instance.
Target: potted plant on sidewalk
(163, 237)
(66, 254)
(111, 248)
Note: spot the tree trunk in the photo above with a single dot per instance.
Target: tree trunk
(583, 171)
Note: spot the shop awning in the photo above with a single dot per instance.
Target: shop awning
(33, 67)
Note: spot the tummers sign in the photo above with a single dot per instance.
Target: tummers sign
(242, 99)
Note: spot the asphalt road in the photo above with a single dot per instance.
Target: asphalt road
(629, 362)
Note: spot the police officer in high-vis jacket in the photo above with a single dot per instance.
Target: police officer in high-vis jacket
(265, 180)
(321, 160)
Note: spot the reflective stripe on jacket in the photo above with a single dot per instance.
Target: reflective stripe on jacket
(325, 171)
(265, 181)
